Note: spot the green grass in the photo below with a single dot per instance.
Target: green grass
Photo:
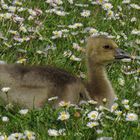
(39, 121)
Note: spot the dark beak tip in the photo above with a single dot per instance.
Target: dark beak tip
(123, 57)
(120, 54)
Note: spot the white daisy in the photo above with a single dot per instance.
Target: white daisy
(63, 116)
(107, 6)
(53, 132)
(5, 119)
(92, 124)
(131, 117)
(93, 115)
(85, 13)
(114, 107)
(57, 34)
(64, 104)
(125, 101)
(5, 89)
(23, 111)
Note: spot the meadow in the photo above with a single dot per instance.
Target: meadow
(54, 32)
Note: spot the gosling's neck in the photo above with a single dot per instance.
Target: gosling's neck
(98, 85)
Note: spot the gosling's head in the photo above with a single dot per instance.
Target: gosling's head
(101, 50)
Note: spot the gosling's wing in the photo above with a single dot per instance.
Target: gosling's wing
(42, 76)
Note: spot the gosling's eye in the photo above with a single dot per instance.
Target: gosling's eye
(106, 47)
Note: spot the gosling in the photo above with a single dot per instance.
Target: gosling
(32, 86)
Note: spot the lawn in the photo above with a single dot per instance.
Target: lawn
(54, 32)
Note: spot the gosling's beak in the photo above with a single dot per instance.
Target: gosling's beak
(121, 54)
